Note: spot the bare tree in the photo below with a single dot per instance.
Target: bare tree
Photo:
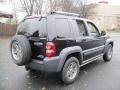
(63, 5)
(54, 5)
(67, 5)
(27, 6)
(38, 6)
(82, 7)
(32, 6)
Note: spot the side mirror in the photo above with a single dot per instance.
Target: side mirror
(103, 33)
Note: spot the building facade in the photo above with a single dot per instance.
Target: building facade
(106, 17)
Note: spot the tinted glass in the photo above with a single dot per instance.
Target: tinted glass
(33, 27)
(93, 29)
(62, 28)
(81, 28)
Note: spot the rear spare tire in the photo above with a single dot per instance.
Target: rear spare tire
(20, 50)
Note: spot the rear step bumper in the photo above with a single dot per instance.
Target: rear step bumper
(48, 64)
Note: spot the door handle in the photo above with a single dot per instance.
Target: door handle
(86, 40)
(97, 39)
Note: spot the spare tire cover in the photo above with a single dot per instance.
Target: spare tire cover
(20, 50)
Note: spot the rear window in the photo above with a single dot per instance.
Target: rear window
(62, 28)
(33, 27)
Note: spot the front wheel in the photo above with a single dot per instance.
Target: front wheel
(108, 54)
(70, 70)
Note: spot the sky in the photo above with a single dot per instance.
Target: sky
(8, 8)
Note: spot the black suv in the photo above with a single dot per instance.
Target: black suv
(59, 42)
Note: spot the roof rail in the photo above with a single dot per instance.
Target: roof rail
(65, 13)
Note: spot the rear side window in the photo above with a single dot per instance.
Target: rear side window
(81, 28)
(62, 28)
(33, 27)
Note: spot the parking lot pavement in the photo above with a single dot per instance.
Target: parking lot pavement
(97, 75)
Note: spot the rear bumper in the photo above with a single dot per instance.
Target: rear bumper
(47, 65)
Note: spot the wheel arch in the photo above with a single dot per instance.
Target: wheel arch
(75, 51)
(111, 43)
(75, 54)
(108, 41)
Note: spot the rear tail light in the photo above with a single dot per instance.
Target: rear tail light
(50, 49)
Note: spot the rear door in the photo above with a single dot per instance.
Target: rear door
(82, 37)
(88, 38)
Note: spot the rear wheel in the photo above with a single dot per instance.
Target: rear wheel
(70, 70)
(108, 54)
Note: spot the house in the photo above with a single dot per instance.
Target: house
(106, 17)
(5, 18)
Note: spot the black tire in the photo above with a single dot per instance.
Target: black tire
(27, 68)
(64, 77)
(30, 70)
(106, 56)
(21, 46)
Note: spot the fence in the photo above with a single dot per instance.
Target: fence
(7, 29)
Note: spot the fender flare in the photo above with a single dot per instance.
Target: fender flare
(108, 41)
(67, 51)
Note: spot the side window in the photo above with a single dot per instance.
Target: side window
(81, 28)
(93, 30)
(62, 28)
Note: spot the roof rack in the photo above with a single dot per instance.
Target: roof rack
(65, 13)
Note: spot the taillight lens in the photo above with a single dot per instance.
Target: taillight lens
(50, 49)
